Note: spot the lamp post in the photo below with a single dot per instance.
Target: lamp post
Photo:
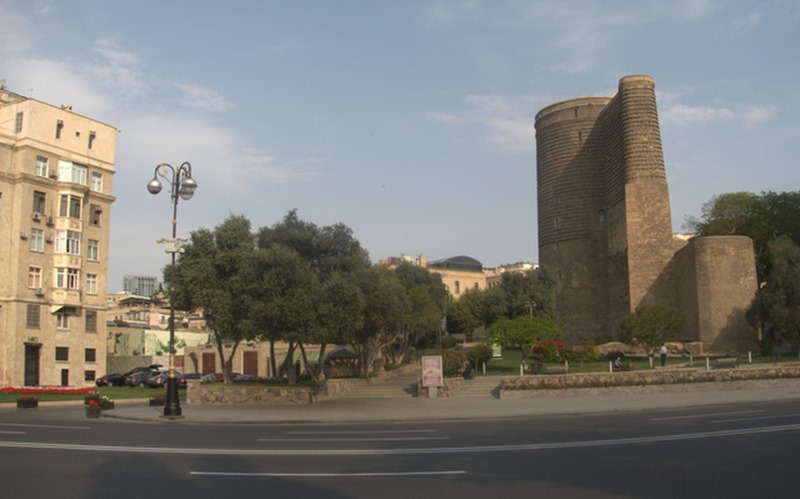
(182, 186)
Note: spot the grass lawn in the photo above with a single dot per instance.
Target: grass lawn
(113, 393)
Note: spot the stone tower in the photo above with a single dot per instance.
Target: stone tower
(605, 225)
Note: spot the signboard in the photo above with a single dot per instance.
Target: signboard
(432, 370)
(497, 351)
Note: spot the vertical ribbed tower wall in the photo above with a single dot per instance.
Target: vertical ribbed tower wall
(571, 200)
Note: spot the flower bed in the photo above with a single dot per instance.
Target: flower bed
(47, 390)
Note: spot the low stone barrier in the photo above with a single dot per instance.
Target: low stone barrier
(509, 385)
(220, 393)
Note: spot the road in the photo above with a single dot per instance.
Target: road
(724, 451)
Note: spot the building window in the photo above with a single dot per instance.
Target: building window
(62, 320)
(93, 250)
(91, 322)
(72, 172)
(39, 202)
(41, 166)
(18, 123)
(67, 278)
(89, 375)
(37, 240)
(91, 284)
(91, 138)
(89, 355)
(34, 277)
(68, 241)
(62, 354)
(97, 182)
(95, 212)
(70, 206)
(32, 317)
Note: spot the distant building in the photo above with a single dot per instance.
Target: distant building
(140, 285)
(605, 228)
(56, 170)
(495, 275)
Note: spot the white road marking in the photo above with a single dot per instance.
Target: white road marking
(57, 427)
(707, 415)
(355, 432)
(409, 451)
(739, 420)
(12, 432)
(325, 475)
(350, 439)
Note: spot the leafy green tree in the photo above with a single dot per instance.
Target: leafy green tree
(385, 308)
(480, 354)
(209, 276)
(464, 315)
(777, 303)
(426, 296)
(522, 332)
(651, 327)
(529, 293)
(763, 218)
(283, 293)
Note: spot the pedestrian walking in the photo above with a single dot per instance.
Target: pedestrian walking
(663, 355)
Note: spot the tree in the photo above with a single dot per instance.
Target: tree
(385, 308)
(426, 296)
(777, 303)
(651, 327)
(283, 290)
(529, 293)
(209, 276)
(464, 315)
(522, 332)
(334, 256)
(763, 218)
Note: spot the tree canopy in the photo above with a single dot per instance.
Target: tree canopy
(651, 327)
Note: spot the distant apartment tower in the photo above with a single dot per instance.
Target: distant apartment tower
(56, 170)
(140, 285)
(605, 228)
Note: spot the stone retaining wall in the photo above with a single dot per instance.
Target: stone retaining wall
(510, 385)
(219, 393)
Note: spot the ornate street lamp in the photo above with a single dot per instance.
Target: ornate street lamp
(182, 186)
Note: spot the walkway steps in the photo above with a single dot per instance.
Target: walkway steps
(399, 384)
(478, 387)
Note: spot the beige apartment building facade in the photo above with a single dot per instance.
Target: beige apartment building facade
(56, 170)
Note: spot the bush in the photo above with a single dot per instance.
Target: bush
(588, 353)
(452, 362)
(552, 351)
(448, 341)
(480, 354)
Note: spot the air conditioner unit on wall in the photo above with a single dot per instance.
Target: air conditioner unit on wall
(48, 239)
(23, 235)
(50, 221)
(39, 291)
(36, 216)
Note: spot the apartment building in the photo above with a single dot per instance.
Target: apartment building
(56, 170)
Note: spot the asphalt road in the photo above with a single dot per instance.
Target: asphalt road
(743, 450)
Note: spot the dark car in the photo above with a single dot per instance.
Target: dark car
(183, 377)
(113, 379)
(156, 379)
(138, 378)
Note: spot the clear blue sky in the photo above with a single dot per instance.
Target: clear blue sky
(409, 121)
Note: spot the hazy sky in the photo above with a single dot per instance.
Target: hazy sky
(411, 122)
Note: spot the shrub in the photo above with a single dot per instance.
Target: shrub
(588, 353)
(552, 351)
(480, 354)
(452, 362)
(448, 341)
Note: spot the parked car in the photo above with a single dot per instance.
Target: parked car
(183, 377)
(156, 379)
(137, 378)
(112, 379)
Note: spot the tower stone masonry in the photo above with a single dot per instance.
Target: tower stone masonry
(605, 227)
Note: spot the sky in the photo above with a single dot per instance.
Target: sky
(411, 122)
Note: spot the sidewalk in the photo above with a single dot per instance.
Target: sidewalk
(529, 404)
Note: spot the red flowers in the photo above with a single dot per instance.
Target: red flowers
(32, 391)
